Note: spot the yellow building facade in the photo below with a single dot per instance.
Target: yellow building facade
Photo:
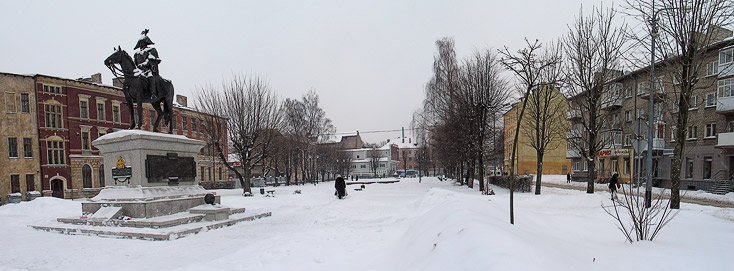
(554, 160)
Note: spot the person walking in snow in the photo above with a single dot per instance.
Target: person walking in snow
(613, 184)
(340, 186)
(568, 178)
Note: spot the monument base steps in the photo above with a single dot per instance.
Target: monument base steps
(166, 228)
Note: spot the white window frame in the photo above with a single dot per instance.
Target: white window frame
(726, 56)
(726, 87)
(712, 68)
(710, 130)
(694, 103)
(692, 133)
(711, 99)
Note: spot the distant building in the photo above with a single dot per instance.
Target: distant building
(554, 161)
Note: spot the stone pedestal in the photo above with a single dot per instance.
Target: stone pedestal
(152, 159)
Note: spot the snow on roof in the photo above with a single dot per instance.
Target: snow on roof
(408, 144)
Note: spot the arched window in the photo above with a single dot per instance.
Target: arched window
(87, 176)
(101, 176)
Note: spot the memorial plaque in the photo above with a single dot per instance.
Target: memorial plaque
(159, 168)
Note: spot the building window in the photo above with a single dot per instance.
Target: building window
(83, 113)
(101, 176)
(694, 103)
(615, 165)
(173, 122)
(627, 168)
(151, 116)
(53, 116)
(362, 166)
(628, 140)
(711, 130)
(202, 174)
(601, 165)
(85, 140)
(15, 183)
(689, 167)
(692, 132)
(707, 163)
(25, 105)
(87, 176)
(115, 113)
(712, 68)
(673, 133)
(220, 174)
(628, 92)
(628, 115)
(711, 99)
(12, 147)
(726, 56)
(184, 123)
(30, 184)
(201, 126)
(10, 102)
(27, 148)
(726, 87)
(100, 111)
(55, 152)
(51, 89)
(209, 171)
(193, 125)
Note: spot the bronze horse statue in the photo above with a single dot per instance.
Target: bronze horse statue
(136, 90)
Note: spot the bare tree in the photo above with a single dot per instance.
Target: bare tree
(634, 219)
(253, 118)
(529, 66)
(306, 125)
(594, 48)
(374, 156)
(687, 33)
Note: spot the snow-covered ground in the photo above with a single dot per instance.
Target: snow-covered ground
(408, 225)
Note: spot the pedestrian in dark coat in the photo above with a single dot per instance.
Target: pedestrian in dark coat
(340, 186)
(613, 183)
(568, 178)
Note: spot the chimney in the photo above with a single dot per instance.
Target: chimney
(409, 140)
(97, 78)
(181, 100)
(117, 82)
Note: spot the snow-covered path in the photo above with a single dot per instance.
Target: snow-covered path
(402, 226)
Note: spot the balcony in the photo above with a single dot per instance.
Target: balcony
(658, 144)
(725, 105)
(610, 103)
(725, 141)
(572, 114)
(573, 133)
(659, 94)
(572, 154)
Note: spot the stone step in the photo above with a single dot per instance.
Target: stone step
(154, 223)
(161, 235)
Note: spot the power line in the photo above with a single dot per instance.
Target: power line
(372, 132)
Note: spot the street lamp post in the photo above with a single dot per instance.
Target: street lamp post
(651, 117)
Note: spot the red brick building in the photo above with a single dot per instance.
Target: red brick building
(73, 113)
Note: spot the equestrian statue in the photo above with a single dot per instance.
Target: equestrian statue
(142, 82)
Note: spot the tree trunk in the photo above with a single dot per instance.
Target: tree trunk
(539, 176)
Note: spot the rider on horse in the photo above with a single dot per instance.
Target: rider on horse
(146, 60)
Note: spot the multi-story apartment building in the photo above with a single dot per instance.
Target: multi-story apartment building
(65, 116)
(709, 148)
(19, 167)
(554, 160)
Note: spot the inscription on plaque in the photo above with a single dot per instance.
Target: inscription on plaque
(162, 168)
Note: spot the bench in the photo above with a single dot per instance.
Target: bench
(271, 193)
(358, 189)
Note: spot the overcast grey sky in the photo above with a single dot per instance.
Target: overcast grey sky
(368, 61)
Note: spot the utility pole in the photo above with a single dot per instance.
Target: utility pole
(651, 116)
